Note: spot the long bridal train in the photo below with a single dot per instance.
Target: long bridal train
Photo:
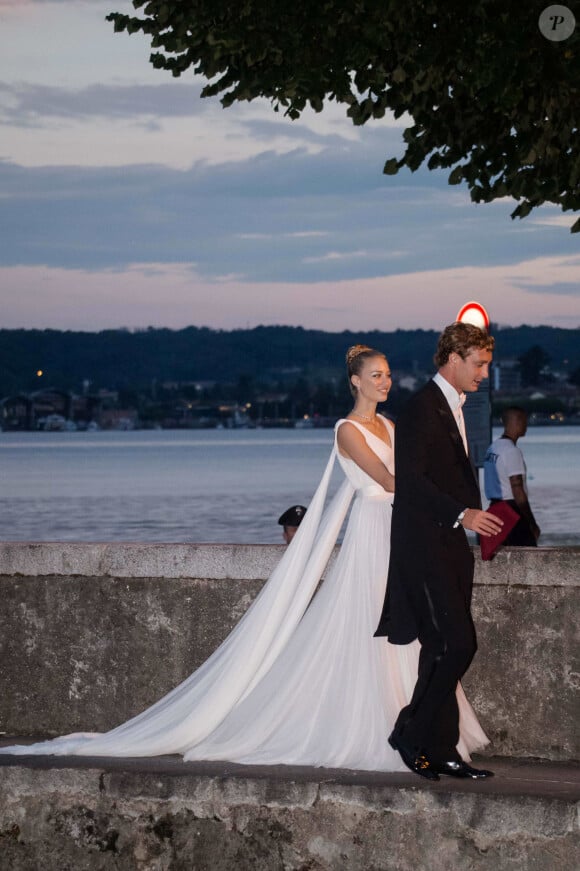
(300, 680)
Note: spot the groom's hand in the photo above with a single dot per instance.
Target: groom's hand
(482, 522)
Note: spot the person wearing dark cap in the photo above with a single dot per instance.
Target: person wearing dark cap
(290, 521)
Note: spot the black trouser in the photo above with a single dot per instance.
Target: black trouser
(430, 722)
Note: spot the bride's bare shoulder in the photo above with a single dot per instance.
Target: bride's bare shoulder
(347, 436)
(339, 424)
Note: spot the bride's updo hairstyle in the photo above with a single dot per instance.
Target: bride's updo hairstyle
(355, 358)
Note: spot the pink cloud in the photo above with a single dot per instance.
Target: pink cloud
(174, 295)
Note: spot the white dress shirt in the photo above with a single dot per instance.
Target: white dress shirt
(455, 401)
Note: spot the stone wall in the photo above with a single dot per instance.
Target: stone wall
(90, 634)
(174, 816)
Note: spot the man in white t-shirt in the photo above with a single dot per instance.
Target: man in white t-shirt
(505, 477)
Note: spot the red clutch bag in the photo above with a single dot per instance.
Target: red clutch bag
(491, 544)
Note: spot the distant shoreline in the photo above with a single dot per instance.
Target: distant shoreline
(266, 425)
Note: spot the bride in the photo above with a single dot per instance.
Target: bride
(301, 680)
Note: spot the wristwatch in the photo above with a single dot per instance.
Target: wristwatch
(460, 517)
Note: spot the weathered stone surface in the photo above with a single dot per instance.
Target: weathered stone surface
(82, 653)
(96, 818)
(524, 681)
(138, 560)
(91, 634)
(531, 567)
(541, 566)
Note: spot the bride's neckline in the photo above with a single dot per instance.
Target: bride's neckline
(387, 444)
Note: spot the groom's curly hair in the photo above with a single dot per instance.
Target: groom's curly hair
(460, 338)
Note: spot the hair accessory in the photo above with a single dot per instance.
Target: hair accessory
(354, 351)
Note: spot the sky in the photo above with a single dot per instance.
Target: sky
(126, 200)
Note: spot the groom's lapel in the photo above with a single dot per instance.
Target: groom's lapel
(453, 430)
(448, 417)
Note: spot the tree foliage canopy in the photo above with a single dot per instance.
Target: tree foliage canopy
(120, 359)
(487, 95)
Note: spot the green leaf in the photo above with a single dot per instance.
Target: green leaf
(391, 167)
(522, 210)
(456, 176)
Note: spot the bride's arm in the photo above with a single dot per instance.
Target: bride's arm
(352, 444)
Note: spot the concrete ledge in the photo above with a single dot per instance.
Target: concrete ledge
(138, 560)
(542, 566)
(166, 814)
(91, 634)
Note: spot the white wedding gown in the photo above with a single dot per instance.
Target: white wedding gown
(300, 680)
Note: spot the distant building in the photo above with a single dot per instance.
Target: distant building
(507, 376)
(17, 412)
(118, 418)
(48, 409)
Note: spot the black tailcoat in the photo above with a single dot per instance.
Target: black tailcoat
(431, 569)
(434, 482)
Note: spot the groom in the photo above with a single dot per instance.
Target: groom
(431, 567)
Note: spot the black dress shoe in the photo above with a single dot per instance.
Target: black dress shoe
(460, 769)
(415, 761)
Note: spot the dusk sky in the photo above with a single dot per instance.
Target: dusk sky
(127, 201)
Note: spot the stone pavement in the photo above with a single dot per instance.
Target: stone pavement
(513, 777)
(163, 814)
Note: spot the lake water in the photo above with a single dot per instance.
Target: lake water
(215, 485)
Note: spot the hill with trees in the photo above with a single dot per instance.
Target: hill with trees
(120, 359)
